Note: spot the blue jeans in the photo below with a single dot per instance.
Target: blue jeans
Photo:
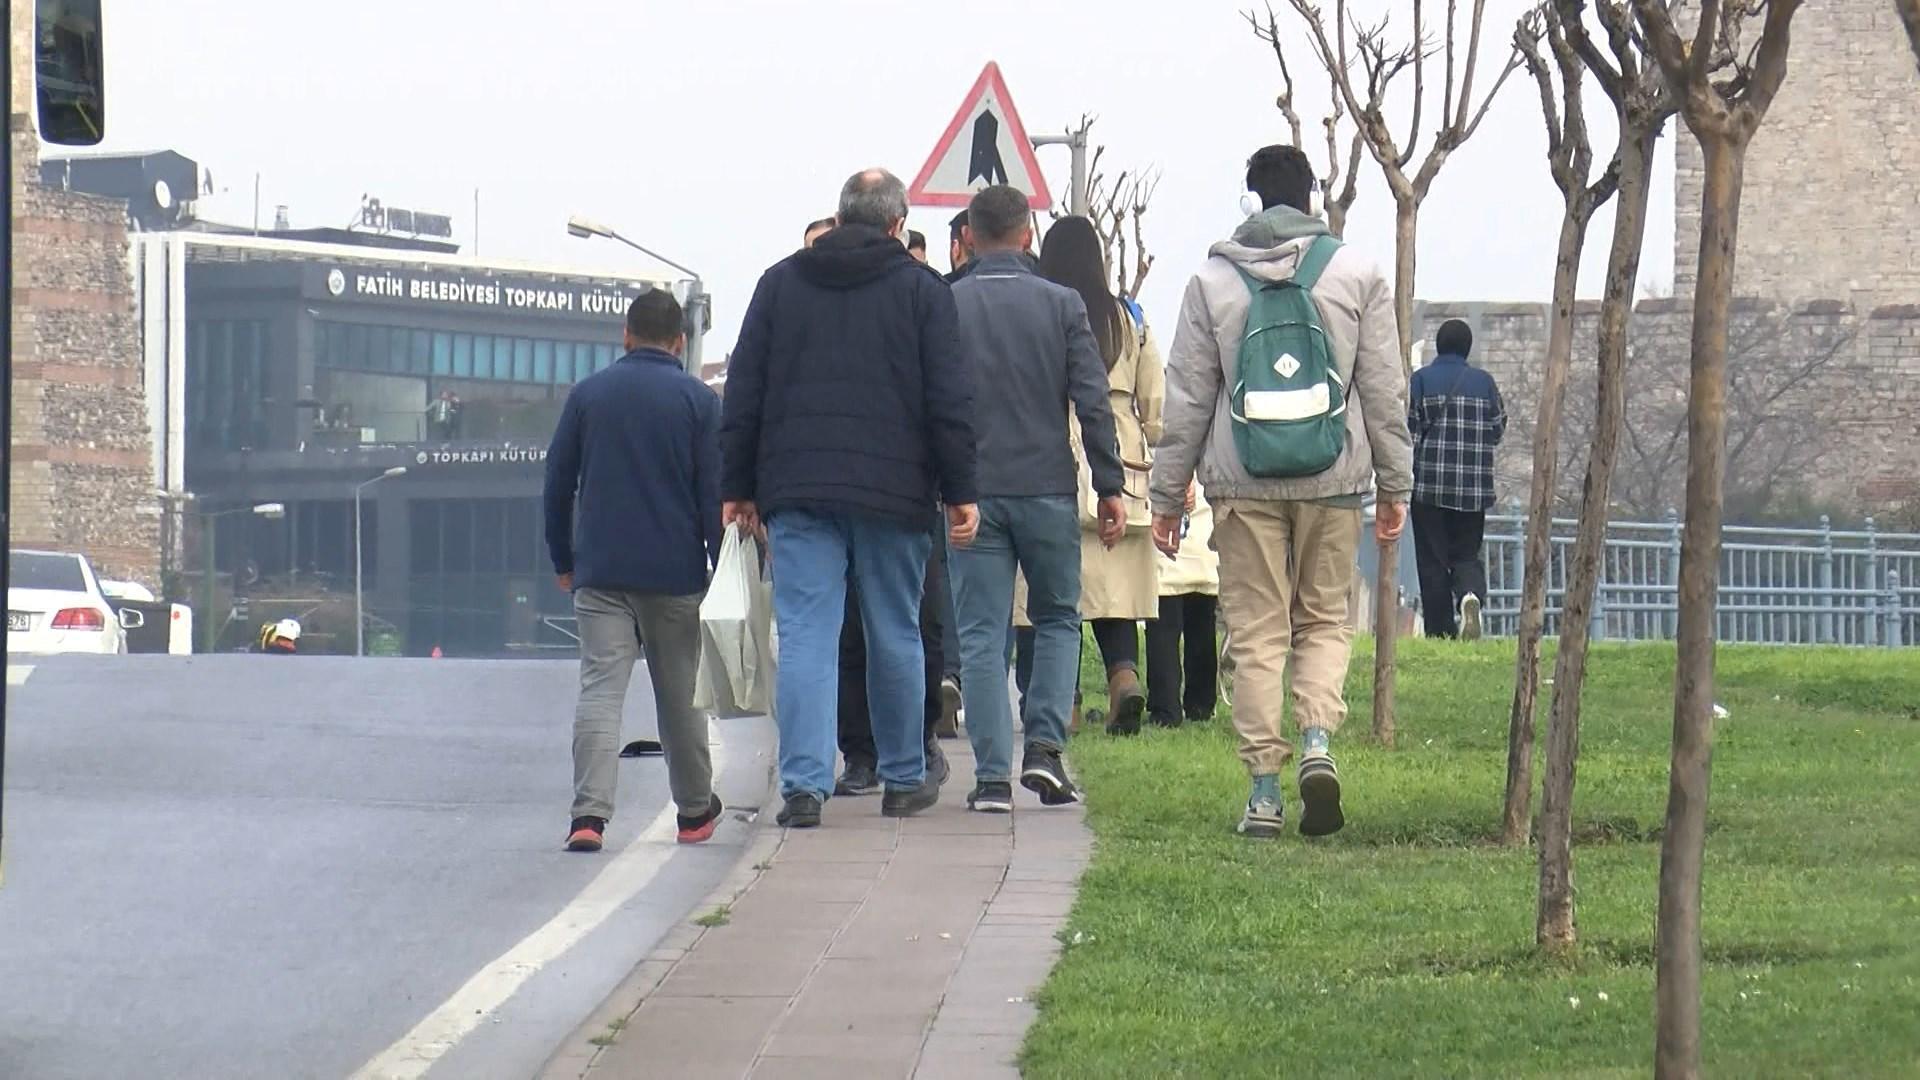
(814, 554)
(1040, 536)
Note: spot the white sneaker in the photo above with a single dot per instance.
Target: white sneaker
(1470, 622)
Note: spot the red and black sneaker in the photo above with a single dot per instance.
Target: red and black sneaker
(695, 830)
(587, 834)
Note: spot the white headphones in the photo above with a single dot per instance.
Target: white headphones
(1250, 203)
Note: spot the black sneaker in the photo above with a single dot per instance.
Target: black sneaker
(991, 797)
(801, 812)
(938, 770)
(586, 834)
(1319, 795)
(906, 802)
(1043, 773)
(857, 779)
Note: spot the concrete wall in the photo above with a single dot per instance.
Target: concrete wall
(82, 477)
(1832, 203)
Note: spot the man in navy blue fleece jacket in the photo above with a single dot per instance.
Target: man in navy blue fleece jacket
(849, 414)
(633, 525)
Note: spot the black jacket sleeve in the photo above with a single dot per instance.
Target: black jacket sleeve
(745, 399)
(1088, 387)
(948, 383)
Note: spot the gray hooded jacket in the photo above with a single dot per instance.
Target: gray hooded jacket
(1356, 307)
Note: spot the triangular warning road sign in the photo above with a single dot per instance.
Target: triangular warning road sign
(986, 144)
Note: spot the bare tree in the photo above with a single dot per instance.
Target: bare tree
(1460, 117)
(1775, 361)
(1117, 208)
(1339, 203)
(1570, 158)
(1910, 14)
(1642, 106)
(1723, 113)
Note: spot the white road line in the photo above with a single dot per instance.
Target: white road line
(17, 674)
(495, 984)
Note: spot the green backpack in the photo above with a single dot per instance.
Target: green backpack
(1289, 405)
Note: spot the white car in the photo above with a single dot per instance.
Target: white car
(55, 605)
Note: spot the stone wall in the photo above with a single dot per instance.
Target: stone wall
(1824, 404)
(81, 460)
(1832, 197)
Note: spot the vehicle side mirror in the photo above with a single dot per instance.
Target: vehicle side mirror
(131, 619)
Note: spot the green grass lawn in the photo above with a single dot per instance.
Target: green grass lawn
(1403, 946)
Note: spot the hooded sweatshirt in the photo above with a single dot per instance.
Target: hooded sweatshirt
(1356, 309)
(846, 390)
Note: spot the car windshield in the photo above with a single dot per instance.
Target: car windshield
(60, 573)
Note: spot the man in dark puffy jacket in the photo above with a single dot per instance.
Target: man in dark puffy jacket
(848, 415)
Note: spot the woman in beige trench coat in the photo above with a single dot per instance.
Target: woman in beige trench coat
(1119, 587)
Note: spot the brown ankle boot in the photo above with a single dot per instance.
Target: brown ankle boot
(1126, 704)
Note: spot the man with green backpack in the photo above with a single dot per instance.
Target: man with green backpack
(1287, 395)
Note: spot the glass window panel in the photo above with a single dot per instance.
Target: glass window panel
(378, 348)
(542, 357)
(422, 354)
(522, 357)
(463, 354)
(604, 357)
(321, 332)
(397, 351)
(356, 347)
(562, 358)
(424, 536)
(489, 535)
(456, 536)
(523, 530)
(443, 353)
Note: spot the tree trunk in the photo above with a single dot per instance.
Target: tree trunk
(1910, 14)
(1556, 929)
(1683, 849)
(1546, 455)
(1386, 623)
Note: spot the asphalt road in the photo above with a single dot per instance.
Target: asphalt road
(264, 867)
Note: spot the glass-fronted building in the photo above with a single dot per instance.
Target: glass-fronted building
(292, 372)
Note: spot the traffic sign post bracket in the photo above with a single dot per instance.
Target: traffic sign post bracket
(1075, 141)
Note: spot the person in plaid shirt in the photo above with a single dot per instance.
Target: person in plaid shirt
(1457, 419)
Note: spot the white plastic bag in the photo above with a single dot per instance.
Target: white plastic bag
(736, 653)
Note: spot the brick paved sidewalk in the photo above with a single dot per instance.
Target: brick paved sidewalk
(868, 947)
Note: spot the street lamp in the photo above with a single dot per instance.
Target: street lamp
(209, 633)
(699, 308)
(359, 609)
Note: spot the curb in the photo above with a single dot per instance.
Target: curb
(578, 1054)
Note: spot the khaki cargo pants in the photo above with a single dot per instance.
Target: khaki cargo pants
(1286, 569)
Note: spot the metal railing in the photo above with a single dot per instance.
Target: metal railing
(1819, 586)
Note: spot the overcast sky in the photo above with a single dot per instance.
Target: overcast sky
(713, 130)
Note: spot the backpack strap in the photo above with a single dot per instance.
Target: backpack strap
(1314, 261)
(1138, 316)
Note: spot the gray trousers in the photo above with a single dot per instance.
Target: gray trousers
(612, 625)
